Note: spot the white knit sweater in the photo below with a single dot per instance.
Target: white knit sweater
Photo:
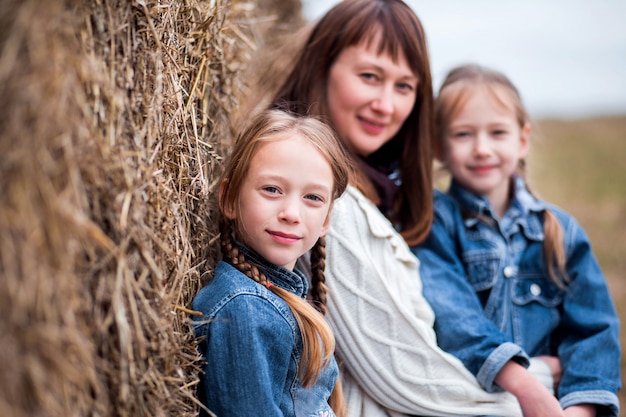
(384, 326)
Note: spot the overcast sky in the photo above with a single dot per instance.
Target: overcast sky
(568, 58)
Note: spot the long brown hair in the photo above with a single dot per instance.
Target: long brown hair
(456, 89)
(317, 337)
(304, 91)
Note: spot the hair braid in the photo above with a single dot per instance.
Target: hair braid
(553, 248)
(318, 278)
(232, 254)
(522, 168)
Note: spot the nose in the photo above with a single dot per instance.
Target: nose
(290, 210)
(383, 102)
(481, 145)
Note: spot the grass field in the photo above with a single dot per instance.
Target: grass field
(579, 165)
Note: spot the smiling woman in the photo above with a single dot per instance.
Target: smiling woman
(370, 95)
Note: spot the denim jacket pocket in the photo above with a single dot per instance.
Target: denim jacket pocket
(482, 267)
(539, 290)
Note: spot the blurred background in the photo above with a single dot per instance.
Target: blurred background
(568, 58)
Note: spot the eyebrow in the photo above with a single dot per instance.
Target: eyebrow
(367, 62)
(278, 178)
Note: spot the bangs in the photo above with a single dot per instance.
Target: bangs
(393, 27)
(454, 97)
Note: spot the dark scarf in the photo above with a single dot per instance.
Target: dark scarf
(384, 173)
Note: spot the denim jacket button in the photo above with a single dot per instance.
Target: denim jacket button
(509, 271)
(535, 289)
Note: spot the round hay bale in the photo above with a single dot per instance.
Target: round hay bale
(116, 116)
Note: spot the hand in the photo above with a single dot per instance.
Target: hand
(554, 363)
(534, 398)
(581, 410)
(539, 402)
(536, 401)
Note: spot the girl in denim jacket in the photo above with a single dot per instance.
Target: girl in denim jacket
(510, 276)
(268, 351)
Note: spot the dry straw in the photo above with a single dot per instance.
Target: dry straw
(114, 118)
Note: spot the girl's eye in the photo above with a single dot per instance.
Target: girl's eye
(314, 197)
(499, 132)
(271, 189)
(461, 134)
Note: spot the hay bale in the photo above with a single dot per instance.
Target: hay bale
(115, 117)
(281, 39)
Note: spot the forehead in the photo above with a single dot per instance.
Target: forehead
(292, 160)
(276, 153)
(465, 95)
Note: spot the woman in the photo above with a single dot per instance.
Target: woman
(365, 69)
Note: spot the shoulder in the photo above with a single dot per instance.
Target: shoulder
(561, 214)
(535, 206)
(356, 214)
(226, 282)
(360, 229)
(568, 222)
(352, 199)
(444, 201)
(447, 211)
(231, 293)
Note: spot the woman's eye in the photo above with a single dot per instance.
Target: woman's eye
(369, 76)
(406, 87)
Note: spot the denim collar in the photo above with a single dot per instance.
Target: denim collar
(293, 281)
(525, 211)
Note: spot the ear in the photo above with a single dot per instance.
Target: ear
(326, 224)
(525, 140)
(227, 210)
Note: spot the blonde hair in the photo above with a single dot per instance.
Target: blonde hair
(457, 88)
(317, 337)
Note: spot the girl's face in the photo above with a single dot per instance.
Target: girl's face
(483, 145)
(369, 96)
(285, 201)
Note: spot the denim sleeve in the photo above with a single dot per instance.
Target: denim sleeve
(462, 328)
(248, 349)
(589, 346)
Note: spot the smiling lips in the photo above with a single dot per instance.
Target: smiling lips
(371, 126)
(483, 169)
(284, 238)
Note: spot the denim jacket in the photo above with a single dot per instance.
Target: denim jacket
(486, 280)
(252, 347)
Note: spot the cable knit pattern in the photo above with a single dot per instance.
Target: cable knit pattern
(384, 326)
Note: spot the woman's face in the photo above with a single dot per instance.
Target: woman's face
(369, 96)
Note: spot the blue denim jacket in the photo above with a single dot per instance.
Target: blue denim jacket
(252, 347)
(486, 280)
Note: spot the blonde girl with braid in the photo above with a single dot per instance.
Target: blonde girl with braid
(268, 349)
(509, 276)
